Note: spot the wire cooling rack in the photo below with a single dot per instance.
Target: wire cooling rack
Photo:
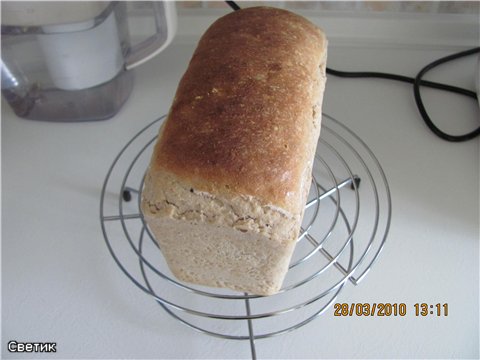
(343, 232)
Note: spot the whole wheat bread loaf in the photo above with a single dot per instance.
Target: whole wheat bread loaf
(229, 176)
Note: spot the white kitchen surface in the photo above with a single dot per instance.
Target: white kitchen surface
(60, 284)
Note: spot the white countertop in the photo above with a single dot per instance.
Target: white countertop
(61, 285)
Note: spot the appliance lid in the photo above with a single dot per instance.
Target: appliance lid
(43, 13)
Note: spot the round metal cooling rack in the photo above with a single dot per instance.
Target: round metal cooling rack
(344, 230)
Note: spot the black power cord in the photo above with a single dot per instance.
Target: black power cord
(417, 82)
(421, 107)
(233, 5)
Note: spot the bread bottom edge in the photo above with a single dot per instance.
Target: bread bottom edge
(221, 256)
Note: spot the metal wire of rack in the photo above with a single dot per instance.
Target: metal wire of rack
(338, 243)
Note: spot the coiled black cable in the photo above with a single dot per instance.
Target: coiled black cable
(380, 75)
(421, 107)
(417, 82)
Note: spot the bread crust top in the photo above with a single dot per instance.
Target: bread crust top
(244, 112)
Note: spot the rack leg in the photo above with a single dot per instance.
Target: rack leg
(127, 193)
(250, 330)
(356, 180)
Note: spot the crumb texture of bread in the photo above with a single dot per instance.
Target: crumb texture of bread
(228, 179)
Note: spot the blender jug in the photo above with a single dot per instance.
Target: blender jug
(70, 61)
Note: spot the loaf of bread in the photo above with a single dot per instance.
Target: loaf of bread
(225, 191)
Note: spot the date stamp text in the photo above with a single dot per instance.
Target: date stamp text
(390, 309)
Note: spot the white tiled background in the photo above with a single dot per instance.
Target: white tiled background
(449, 7)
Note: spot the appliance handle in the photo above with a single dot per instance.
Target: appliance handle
(166, 24)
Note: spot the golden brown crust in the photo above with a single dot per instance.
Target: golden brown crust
(242, 120)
